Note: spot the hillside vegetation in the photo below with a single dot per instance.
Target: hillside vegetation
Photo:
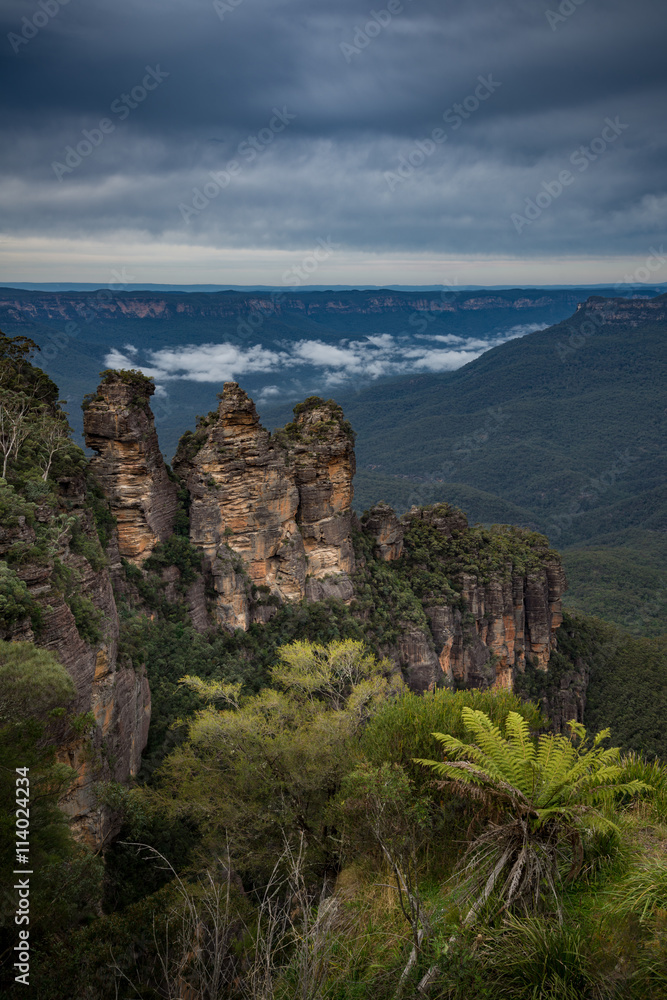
(296, 831)
(567, 443)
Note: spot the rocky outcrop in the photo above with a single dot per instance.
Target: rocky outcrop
(119, 427)
(504, 621)
(487, 625)
(79, 624)
(383, 526)
(630, 312)
(271, 514)
(321, 453)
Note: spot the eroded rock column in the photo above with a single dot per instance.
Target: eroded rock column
(118, 425)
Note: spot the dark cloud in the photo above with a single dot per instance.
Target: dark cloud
(359, 115)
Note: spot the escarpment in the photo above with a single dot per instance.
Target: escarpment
(51, 544)
(271, 514)
(118, 425)
(491, 598)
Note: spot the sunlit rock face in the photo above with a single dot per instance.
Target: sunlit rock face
(271, 514)
(119, 427)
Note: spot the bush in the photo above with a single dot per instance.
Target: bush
(177, 551)
(403, 729)
(16, 602)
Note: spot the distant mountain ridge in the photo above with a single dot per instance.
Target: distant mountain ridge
(562, 431)
(89, 286)
(79, 331)
(29, 306)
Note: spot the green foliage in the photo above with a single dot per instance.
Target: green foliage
(18, 375)
(16, 602)
(97, 503)
(84, 545)
(627, 692)
(333, 419)
(434, 560)
(622, 583)
(32, 682)
(177, 551)
(144, 384)
(34, 691)
(403, 729)
(535, 958)
(384, 599)
(145, 820)
(87, 617)
(379, 809)
(331, 673)
(548, 794)
(264, 772)
(13, 507)
(171, 648)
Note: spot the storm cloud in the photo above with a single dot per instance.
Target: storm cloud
(411, 127)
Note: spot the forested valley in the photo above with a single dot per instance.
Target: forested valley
(308, 815)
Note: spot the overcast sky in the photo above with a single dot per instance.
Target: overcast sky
(193, 141)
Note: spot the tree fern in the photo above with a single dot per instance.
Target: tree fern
(549, 793)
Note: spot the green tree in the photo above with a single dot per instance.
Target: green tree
(264, 769)
(32, 683)
(35, 691)
(545, 798)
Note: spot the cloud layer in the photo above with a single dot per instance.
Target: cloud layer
(335, 364)
(271, 125)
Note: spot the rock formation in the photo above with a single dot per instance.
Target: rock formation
(118, 425)
(484, 629)
(272, 515)
(381, 523)
(321, 453)
(116, 694)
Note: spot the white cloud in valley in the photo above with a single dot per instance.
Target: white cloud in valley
(368, 358)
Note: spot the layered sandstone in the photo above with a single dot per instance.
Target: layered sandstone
(382, 524)
(321, 454)
(116, 695)
(119, 427)
(271, 514)
(486, 627)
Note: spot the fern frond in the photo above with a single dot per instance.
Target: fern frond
(522, 752)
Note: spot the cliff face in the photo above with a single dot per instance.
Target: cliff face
(242, 509)
(321, 453)
(483, 625)
(119, 426)
(633, 312)
(80, 626)
(271, 514)
(18, 305)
